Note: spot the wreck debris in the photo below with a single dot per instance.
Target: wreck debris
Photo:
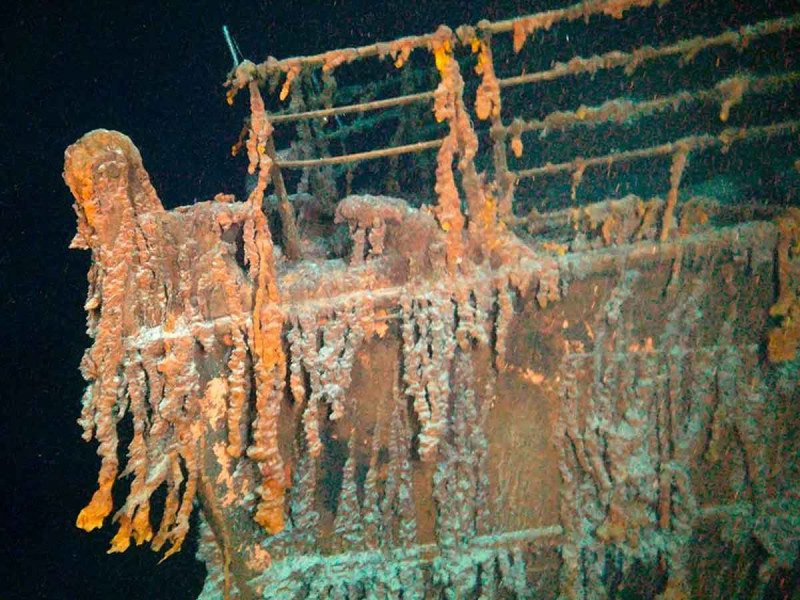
(637, 504)
(348, 422)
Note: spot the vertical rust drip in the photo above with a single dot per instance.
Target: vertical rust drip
(504, 180)
(263, 160)
(675, 174)
(461, 140)
(446, 97)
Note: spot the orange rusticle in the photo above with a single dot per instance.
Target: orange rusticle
(270, 372)
(111, 189)
(269, 361)
(270, 511)
(291, 73)
(732, 91)
(448, 208)
(92, 167)
(487, 98)
(170, 311)
(462, 141)
(93, 514)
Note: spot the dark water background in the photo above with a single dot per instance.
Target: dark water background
(154, 71)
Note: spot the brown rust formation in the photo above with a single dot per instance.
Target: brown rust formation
(377, 396)
(784, 339)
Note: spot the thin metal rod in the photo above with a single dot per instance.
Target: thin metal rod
(232, 46)
(547, 19)
(359, 156)
(578, 65)
(622, 111)
(579, 10)
(694, 142)
(687, 47)
(352, 108)
(291, 236)
(609, 159)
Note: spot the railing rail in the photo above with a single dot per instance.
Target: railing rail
(462, 142)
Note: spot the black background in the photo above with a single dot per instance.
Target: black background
(154, 71)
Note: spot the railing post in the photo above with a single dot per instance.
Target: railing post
(291, 237)
(503, 179)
